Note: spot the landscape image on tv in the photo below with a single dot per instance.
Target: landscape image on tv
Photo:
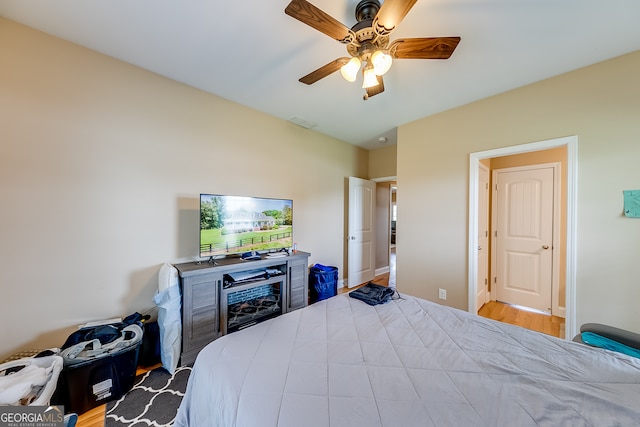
(236, 224)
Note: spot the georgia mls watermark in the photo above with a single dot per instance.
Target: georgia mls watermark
(31, 416)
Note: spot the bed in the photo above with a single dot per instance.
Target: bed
(409, 362)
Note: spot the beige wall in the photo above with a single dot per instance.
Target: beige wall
(601, 105)
(101, 165)
(383, 226)
(382, 162)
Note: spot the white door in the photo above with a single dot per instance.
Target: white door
(524, 236)
(361, 243)
(483, 236)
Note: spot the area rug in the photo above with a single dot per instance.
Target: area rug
(153, 400)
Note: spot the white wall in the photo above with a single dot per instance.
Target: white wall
(601, 105)
(101, 165)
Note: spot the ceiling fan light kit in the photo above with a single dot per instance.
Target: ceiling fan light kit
(381, 62)
(350, 70)
(369, 78)
(368, 41)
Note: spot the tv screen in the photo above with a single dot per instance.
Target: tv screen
(237, 224)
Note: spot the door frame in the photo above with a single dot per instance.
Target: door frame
(571, 143)
(486, 294)
(556, 310)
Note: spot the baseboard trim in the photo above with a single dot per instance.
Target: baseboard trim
(382, 270)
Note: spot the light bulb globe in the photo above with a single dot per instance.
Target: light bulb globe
(381, 62)
(370, 79)
(350, 70)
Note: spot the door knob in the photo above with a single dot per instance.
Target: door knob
(545, 247)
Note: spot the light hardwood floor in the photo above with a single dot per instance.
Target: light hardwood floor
(92, 418)
(383, 280)
(547, 324)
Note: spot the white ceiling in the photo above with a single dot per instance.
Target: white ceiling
(252, 53)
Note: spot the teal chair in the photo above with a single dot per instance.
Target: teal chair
(610, 338)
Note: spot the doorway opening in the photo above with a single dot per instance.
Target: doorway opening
(525, 233)
(386, 220)
(382, 227)
(564, 300)
(392, 246)
(371, 229)
(386, 228)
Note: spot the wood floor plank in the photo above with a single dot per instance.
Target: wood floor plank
(547, 324)
(93, 417)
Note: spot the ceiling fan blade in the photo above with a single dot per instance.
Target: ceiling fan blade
(374, 90)
(308, 14)
(323, 71)
(391, 13)
(424, 48)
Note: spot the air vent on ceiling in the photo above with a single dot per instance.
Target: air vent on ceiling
(302, 122)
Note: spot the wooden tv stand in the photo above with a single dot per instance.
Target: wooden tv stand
(204, 318)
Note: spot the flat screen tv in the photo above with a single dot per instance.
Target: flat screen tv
(238, 224)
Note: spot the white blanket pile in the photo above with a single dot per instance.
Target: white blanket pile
(29, 381)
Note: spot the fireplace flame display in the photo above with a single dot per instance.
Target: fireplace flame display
(247, 307)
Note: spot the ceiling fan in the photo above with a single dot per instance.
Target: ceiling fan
(368, 41)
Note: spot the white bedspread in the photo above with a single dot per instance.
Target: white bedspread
(409, 362)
